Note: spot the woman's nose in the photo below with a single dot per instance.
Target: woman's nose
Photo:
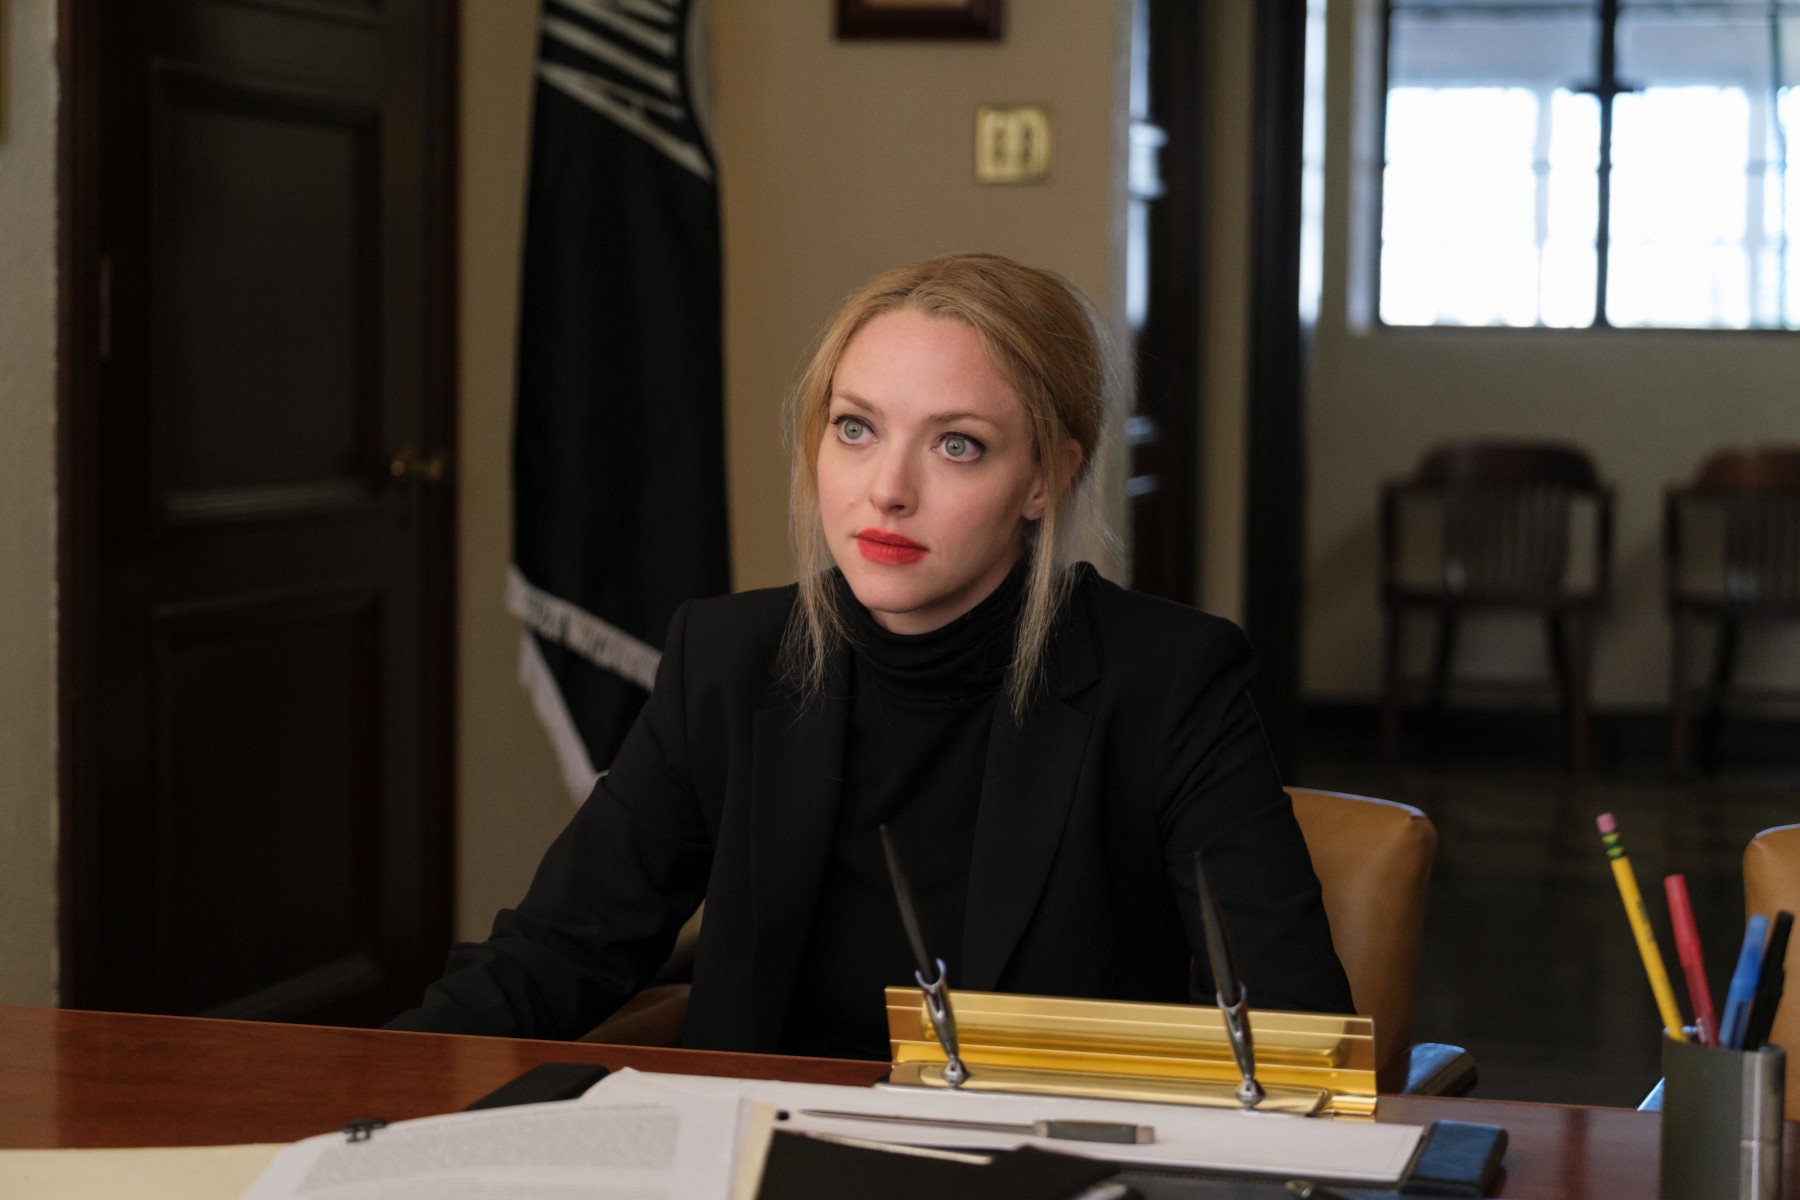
(894, 488)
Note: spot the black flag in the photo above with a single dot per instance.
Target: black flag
(618, 447)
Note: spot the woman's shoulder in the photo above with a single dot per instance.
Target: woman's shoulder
(741, 618)
(728, 644)
(1153, 625)
(1163, 660)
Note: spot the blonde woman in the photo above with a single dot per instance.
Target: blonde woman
(1048, 749)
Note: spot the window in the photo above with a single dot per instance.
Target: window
(1578, 163)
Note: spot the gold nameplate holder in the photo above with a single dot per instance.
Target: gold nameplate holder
(1308, 1063)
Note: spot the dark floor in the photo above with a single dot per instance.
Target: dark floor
(1527, 958)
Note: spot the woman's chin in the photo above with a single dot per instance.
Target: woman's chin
(883, 599)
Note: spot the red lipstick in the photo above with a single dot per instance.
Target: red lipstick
(893, 549)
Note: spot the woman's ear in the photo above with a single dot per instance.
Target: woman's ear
(1039, 499)
(1072, 456)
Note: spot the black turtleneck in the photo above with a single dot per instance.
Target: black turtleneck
(920, 710)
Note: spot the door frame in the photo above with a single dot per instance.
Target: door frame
(1165, 537)
(80, 324)
(1275, 420)
(1275, 392)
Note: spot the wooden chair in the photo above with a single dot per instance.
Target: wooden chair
(1772, 883)
(1373, 859)
(1506, 510)
(1731, 553)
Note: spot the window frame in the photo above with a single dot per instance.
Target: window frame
(1605, 86)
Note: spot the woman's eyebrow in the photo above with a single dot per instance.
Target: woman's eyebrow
(853, 398)
(957, 416)
(961, 416)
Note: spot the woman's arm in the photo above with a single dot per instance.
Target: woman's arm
(608, 898)
(1223, 797)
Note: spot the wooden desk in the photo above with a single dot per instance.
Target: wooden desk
(107, 1079)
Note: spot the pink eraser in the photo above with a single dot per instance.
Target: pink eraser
(1606, 823)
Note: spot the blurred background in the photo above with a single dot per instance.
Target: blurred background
(1339, 236)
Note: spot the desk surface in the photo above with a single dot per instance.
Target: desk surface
(108, 1079)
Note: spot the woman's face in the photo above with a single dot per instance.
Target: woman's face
(926, 471)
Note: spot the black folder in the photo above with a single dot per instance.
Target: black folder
(1459, 1159)
(801, 1167)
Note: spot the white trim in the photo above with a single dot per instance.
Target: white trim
(600, 642)
(624, 61)
(571, 754)
(625, 107)
(622, 16)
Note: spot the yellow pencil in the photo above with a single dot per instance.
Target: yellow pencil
(1640, 927)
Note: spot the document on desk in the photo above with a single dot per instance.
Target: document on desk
(652, 1147)
(154, 1173)
(1213, 1139)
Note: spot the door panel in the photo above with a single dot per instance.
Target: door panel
(268, 873)
(265, 206)
(257, 627)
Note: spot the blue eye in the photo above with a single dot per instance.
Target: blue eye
(850, 429)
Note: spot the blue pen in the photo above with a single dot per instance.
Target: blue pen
(1743, 983)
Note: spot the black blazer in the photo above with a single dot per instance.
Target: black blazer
(1142, 746)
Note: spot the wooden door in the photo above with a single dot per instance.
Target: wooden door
(258, 390)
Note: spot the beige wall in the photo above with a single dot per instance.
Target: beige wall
(837, 159)
(27, 503)
(1646, 405)
(510, 797)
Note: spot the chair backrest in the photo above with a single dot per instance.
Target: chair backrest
(1774, 469)
(1483, 463)
(1752, 497)
(1373, 859)
(1506, 512)
(1772, 883)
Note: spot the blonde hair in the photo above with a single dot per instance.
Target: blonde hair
(1045, 340)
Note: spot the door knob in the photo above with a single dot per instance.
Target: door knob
(412, 465)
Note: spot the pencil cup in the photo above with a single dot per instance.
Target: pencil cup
(1721, 1122)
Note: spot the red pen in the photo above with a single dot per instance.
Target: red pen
(1687, 947)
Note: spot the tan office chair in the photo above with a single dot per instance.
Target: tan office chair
(1373, 859)
(1772, 883)
(656, 1015)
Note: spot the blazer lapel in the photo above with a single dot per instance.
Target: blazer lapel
(1029, 784)
(797, 776)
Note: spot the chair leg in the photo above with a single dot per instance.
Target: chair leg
(1440, 671)
(1390, 685)
(1559, 660)
(1724, 666)
(1678, 699)
(1581, 665)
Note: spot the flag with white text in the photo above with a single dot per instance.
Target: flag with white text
(618, 449)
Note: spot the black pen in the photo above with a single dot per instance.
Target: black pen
(1768, 984)
(937, 992)
(1228, 989)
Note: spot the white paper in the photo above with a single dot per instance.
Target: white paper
(637, 1149)
(1219, 1139)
